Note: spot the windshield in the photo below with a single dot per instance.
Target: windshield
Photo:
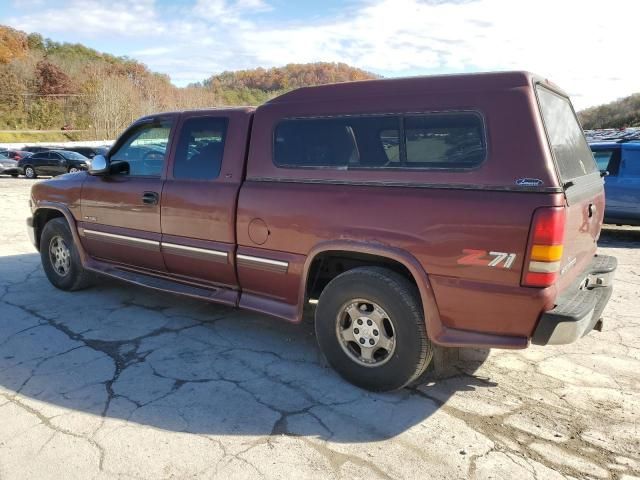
(570, 149)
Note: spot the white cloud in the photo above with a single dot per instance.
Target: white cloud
(94, 18)
(571, 42)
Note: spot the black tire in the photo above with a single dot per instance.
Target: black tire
(30, 172)
(399, 299)
(75, 277)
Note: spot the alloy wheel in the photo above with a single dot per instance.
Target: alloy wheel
(366, 333)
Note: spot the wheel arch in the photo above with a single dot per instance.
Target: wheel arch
(362, 254)
(47, 211)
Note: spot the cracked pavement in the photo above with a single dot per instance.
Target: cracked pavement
(121, 382)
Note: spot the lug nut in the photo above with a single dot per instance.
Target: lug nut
(359, 322)
(369, 322)
(356, 330)
(371, 341)
(362, 341)
(375, 332)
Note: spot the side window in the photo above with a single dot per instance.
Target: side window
(200, 148)
(390, 140)
(444, 141)
(314, 143)
(429, 141)
(145, 149)
(608, 160)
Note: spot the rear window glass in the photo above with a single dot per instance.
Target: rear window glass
(438, 140)
(571, 151)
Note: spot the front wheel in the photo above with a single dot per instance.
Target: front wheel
(370, 326)
(60, 258)
(74, 169)
(30, 172)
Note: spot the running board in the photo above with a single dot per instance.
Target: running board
(225, 296)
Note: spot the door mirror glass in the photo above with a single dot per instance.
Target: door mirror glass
(99, 165)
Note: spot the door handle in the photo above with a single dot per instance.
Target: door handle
(150, 198)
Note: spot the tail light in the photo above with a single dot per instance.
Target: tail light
(545, 247)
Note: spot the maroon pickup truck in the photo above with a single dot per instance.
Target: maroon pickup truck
(455, 210)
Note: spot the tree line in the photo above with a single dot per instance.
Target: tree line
(50, 85)
(621, 113)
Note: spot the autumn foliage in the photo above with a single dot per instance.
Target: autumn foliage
(13, 44)
(619, 114)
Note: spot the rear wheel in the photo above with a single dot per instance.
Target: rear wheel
(60, 258)
(370, 326)
(74, 169)
(30, 172)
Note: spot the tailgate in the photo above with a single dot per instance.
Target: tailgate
(581, 181)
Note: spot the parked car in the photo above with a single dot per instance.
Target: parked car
(88, 152)
(621, 159)
(40, 148)
(8, 166)
(457, 211)
(15, 154)
(52, 162)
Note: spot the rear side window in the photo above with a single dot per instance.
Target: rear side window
(608, 160)
(571, 151)
(200, 148)
(428, 141)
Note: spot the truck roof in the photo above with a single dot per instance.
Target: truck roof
(410, 86)
(223, 109)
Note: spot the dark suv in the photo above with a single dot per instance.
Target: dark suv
(52, 162)
(458, 210)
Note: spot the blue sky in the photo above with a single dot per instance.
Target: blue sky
(566, 41)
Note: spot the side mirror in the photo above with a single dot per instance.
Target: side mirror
(99, 165)
(604, 173)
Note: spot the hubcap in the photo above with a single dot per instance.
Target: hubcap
(60, 256)
(366, 333)
(73, 170)
(29, 172)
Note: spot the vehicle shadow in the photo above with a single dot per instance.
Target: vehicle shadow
(619, 237)
(134, 355)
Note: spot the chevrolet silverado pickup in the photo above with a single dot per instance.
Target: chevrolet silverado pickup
(459, 210)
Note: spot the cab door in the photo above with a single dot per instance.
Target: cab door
(200, 195)
(121, 211)
(56, 164)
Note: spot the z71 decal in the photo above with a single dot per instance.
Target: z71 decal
(482, 258)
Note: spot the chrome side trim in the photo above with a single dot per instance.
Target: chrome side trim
(195, 252)
(122, 239)
(262, 263)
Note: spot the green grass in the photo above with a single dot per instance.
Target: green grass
(29, 137)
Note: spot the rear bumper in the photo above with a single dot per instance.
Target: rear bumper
(578, 310)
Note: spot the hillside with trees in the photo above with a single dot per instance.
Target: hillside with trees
(45, 85)
(622, 113)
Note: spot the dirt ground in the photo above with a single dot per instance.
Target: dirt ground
(121, 382)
